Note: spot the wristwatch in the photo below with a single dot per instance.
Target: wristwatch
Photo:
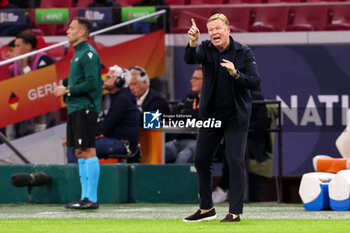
(237, 74)
(68, 91)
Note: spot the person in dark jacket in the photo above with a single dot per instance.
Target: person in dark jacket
(119, 129)
(119, 126)
(229, 74)
(147, 99)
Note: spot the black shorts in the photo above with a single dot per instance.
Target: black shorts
(81, 129)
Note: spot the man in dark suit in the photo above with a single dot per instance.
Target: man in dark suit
(147, 99)
(229, 74)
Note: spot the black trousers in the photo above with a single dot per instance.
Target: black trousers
(207, 143)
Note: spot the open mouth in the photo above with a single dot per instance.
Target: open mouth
(216, 38)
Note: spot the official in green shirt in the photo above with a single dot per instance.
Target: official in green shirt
(84, 82)
(83, 98)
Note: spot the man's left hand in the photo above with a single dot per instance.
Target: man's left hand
(60, 90)
(230, 67)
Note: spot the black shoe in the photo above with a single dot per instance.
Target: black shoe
(75, 204)
(230, 218)
(198, 217)
(86, 204)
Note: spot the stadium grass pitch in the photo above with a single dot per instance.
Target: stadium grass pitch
(127, 218)
(171, 225)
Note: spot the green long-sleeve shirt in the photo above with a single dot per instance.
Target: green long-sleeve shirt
(84, 80)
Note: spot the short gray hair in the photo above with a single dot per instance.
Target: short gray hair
(139, 70)
(118, 71)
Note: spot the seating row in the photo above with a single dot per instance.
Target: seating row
(243, 18)
(267, 18)
(83, 3)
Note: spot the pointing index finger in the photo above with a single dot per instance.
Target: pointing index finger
(193, 22)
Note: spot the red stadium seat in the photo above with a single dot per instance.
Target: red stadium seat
(239, 17)
(83, 3)
(181, 19)
(98, 45)
(307, 18)
(127, 2)
(269, 18)
(47, 29)
(283, 1)
(3, 52)
(37, 31)
(56, 53)
(178, 2)
(243, 1)
(5, 72)
(203, 2)
(41, 43)
(52, 29)
(338, 17)
(56, 3)
(325, 0)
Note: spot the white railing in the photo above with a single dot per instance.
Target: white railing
(91, 34)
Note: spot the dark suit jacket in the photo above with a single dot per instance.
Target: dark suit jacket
(122, 119)
(155, 101)
(244, 61)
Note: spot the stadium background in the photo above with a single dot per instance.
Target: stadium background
(301, 50)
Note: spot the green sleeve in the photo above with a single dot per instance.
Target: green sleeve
(91, 68)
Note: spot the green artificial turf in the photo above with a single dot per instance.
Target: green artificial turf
(172, 225)
(153, 218)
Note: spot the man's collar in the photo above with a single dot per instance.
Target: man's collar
(229, 45)
(143, 97)
(81, 45)
(237, 46)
